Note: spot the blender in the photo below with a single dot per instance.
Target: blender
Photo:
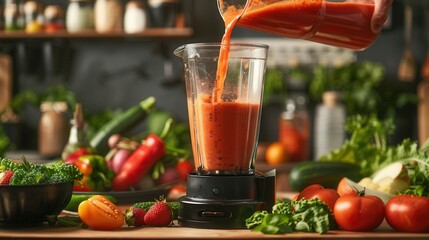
(224, 116)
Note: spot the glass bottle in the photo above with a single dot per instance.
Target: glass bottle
(423, 111)
(79, 16)
(33, 16)
(77, 136)
(14, 15)
(53, 129)
(329, 131)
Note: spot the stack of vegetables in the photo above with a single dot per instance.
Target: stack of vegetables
(363, 182)
(112, 161)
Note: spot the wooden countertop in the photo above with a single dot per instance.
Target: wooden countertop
(178, 232)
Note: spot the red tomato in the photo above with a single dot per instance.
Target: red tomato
(344, 189)
(100, 213)
(326, 195)
(359, 213)
(408, 213)
(184, 167)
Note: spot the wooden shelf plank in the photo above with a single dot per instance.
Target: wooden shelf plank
(91, 34)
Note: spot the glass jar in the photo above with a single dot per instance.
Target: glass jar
(79, 16)
(163, 12)
(14, 15)
(33, 16)
(135, 19)
(53, 129)
(294, 128)
(54, 18)
(108, 16)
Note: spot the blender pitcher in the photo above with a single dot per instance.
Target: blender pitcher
(341, 23)
(224, 129)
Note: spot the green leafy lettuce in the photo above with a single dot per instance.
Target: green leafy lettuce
(302, 215)
(368, 148)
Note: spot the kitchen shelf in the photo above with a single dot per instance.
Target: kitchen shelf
(91, 34)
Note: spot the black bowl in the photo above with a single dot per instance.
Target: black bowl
(30, 204)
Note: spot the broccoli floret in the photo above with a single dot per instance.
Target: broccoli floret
(22, 177)
(7, 164)
(63, 172)
(28, 173)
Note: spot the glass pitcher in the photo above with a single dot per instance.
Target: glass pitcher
(224, 132)
(341, 23)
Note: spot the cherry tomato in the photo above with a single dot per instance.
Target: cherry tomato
(359, 213)
(326, 195)
(408, 213)
(100, 213)
(344, 189)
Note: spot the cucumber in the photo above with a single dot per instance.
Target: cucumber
(76, 199)
(327, 174)
(117, 125)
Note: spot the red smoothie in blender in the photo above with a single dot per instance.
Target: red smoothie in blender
(228, 132)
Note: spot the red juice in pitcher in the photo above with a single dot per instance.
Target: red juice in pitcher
(341, 23)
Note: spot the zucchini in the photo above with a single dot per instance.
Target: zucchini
(119, 124)
(76, 199)
(327, 174)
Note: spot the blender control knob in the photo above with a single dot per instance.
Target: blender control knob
(216, 191)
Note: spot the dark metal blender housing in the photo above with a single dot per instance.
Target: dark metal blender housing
(224, 201)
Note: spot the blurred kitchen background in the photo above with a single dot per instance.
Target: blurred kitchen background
(122, 63)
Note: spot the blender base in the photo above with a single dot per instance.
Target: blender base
(225, 202)
(217, 215)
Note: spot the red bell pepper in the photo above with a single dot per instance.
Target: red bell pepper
(139, 163)
(74, 156)
(81, 186)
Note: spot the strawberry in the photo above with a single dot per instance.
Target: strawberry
(135, 216)
(5, 177)
(159, 214)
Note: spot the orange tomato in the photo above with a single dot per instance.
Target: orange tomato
(344, 189)
(100, 213)
(276, 154)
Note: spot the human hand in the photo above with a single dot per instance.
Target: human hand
(381, 11)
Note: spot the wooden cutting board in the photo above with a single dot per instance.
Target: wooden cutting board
(5, 80)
